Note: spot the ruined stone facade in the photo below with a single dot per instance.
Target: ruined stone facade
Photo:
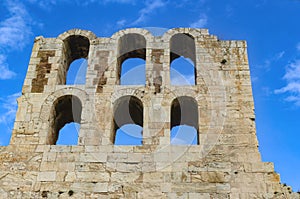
(225, 163)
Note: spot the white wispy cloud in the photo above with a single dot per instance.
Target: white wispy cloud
(188, 3)
(5, 72)
(15, 32)
(276, 57)
(229, 10)
(298, 46)
(254, 78)
(47, 4)
(292, 88)
(150, 7)
(200, 23)
(8, 108)
(121, 23)
(118, 1)
(266, 91)
(260, 69)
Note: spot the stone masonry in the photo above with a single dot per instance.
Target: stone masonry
(225, 163)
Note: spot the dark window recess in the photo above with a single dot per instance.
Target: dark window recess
(76, 47)
(128, 121)
(66, 116)
(182, 60)
(131, 46)
(184, 121)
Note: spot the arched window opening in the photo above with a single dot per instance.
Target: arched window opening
(65, 119)
(184, 121)
(77, 72)
(76, 47)
(128, 121)
(133, 72)
(182, 60)
(131, 46)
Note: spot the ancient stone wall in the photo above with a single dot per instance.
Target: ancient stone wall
(224, 163)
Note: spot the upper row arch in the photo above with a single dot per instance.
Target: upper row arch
(77, 32)
(146, 33)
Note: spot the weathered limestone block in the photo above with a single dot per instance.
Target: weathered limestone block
(89, 187)
(210, 176)
(46, 176)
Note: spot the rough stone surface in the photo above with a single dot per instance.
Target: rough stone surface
(225, 163)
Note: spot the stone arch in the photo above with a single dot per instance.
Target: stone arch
(47, 113)
(194, 32)
(76, 45)
(127, 110)
(130, 46)
(186, 111)
(85, 33)
(138, 92)
(136, 50)
(175, 92)
(181, 46)
(147, 34)
(65, 109)
(182, 59)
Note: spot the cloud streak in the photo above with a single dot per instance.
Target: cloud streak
(298, 47)
(15, 32)
(275, 58)
(9, 107)
(292, 88)
(117, 1)
(200, 23)
(47, 4)
(150, 7)
(121, 22)
(292, 78)
(5, 72)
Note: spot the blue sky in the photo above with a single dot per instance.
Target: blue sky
(271, 28)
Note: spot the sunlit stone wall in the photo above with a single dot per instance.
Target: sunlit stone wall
(221, 161)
